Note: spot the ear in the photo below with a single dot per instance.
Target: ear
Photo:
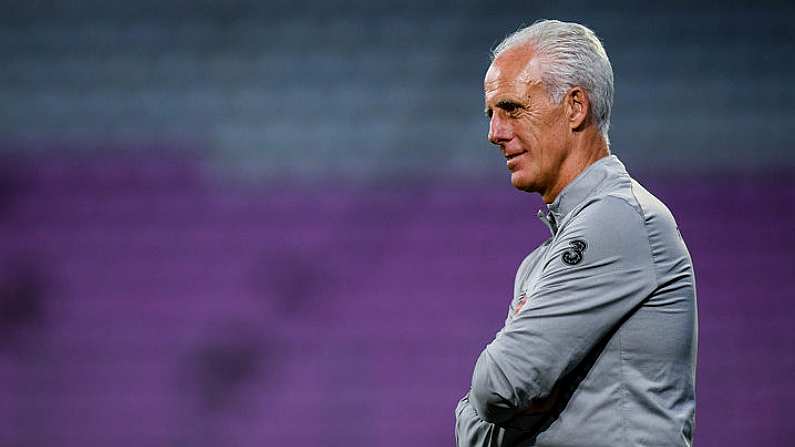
(578, 105)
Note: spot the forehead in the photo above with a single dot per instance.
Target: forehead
(512, 72)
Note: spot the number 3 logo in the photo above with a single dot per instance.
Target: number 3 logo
(573, 255)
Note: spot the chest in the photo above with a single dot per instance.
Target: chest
(529, 273)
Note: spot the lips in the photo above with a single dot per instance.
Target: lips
(511, 160)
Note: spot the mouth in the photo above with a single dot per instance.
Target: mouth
(512, 159)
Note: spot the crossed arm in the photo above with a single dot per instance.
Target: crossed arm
(568, 311)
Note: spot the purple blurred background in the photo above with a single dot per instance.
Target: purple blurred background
(278, 223)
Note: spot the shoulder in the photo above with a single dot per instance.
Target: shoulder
(607, 215)
(606, 229)
(620, 204)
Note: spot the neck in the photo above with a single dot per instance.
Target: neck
(582, 154)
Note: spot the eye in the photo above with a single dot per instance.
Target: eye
(510, 107)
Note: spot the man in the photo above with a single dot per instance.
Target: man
(599, 346)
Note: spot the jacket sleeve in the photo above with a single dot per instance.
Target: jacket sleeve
(597, 270)
(472, 431)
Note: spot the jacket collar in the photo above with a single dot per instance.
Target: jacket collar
(579, 189)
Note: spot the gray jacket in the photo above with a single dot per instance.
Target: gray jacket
(601, 333)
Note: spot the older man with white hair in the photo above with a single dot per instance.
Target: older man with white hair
(599, 346)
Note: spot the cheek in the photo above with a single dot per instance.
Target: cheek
(551, 137)
(555, 126)
(528, 135)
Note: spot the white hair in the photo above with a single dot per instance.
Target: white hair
(571, 55)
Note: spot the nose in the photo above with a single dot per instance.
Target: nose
(499, 130)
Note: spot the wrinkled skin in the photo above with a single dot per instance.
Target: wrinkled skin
(545, 144)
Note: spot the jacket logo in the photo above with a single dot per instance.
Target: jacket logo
(520, 303)
(573, 255)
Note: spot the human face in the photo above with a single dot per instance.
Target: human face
(530, 130)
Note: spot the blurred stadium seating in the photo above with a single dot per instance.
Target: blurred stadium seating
(279, 223)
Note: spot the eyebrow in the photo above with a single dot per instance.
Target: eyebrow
(505, 104)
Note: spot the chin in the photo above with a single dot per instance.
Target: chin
(522, 183)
